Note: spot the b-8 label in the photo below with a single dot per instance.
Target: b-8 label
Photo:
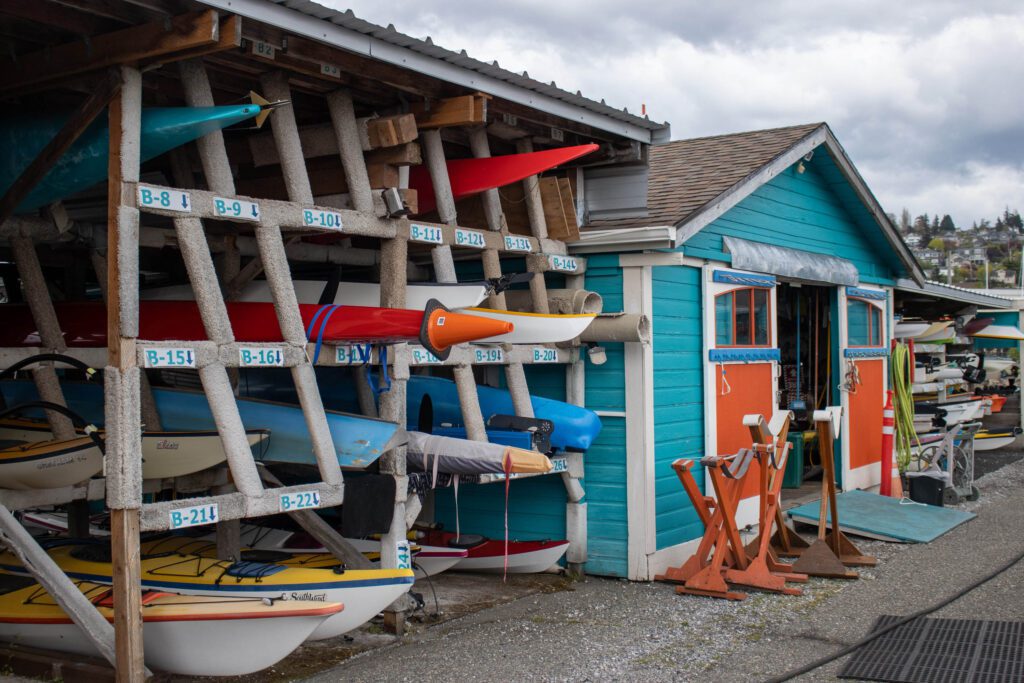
(431, 234)
(517, 243)
(169, 358)
(299, 500)
(196, 515)
(470, 238)
(565, 264)
(166, 200)
(542, 354)
(236, 209)
(260, 357)
(328, 220)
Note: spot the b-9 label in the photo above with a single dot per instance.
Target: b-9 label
(236, 209)
(166, 200)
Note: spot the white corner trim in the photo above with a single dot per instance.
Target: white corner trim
(863, 477)
(639, 380)
(659, 258)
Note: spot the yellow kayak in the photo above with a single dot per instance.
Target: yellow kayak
(49, 464)
(364, 592)
(182, 634)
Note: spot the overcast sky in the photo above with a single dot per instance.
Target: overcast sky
(925, 95)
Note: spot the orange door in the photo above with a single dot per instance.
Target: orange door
(866, 404)
(748, 389)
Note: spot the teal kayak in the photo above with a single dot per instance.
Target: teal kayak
(23, 137)
(358, 441)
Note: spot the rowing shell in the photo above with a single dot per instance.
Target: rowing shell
(534, 328)
(164, 454)
(49, 464)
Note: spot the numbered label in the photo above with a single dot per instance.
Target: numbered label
(262, 49)
(330, 70)
(469, 238)
(488, 354)
(196, 515)
(260, 357)
(431, 234)
(517, 243)
(566, 264)
(328, 220)
(167, 200)
(236, 209)
(404, 554)
(559, 465)
(542, 354)
(420, 356)
(169, 358)
(349, 355)
(300, 500)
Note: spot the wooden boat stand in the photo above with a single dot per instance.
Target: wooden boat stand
(730, 562)
(829, 554)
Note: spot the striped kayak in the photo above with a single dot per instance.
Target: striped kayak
(358, 441)
(49, 464)
(23, 137)
(84, 324)
(164, 454)
(534, 328)
(364, 592)
(182, 634)
(489, 555)
(417, 294)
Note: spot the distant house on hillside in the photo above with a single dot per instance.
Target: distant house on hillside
(913, 240)
(1002, 276)
(931, 257)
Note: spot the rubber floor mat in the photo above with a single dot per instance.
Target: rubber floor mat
(941, 651)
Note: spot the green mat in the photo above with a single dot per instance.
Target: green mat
(887, 519)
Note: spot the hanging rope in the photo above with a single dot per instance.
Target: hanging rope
(726, 387)
(903, 404)
(852, 378)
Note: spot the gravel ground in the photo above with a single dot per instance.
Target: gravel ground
(616, 630)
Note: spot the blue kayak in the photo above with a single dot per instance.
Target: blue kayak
(433, 402)
(358, 440)
(23, 137)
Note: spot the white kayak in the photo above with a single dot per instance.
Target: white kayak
(452, 295)
(534, 328)
(48, 464)
(164, 454)
(184, 635)
(911, 329)
(990, 441)
(956, 413)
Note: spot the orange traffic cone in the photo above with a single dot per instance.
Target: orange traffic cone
(891, 484)
(442, 328)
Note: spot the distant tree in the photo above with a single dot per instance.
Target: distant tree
(984, 224)
(937, 243)
(935, 224)
(1000, 225)
(946, 224)
(905, 223)
(921, 223)
(1012, 219)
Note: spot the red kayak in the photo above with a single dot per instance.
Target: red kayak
(473, 176)
(84, 324)
(488, 555)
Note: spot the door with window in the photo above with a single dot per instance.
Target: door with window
(742, 367)
(863, 382)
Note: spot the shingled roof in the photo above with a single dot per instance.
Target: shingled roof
(686, 175)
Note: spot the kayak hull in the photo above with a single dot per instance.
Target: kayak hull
(534, 328)
(524, 557)
(358, 441)
(50, 464)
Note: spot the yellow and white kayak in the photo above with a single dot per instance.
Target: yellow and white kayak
(49, 464)
(168, 565)
(164, 454)
(534, 328)
(182, 634)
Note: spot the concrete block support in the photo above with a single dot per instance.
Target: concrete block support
(346, 129)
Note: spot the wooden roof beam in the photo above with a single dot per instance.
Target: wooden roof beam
(466, 110)
(153, 42)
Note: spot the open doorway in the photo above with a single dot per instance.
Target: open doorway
(808, 347)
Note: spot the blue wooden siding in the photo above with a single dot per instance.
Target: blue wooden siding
(678, 398)
(809, 211)
(605, 461)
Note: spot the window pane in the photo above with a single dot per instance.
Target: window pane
(857, 320)
(761, 317)
(723, 320)
(876, 326)
(743, 317)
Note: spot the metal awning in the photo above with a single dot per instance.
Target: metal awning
(939, 290)
(792, 263)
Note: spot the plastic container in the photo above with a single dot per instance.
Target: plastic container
(794, 475)
(927, 487)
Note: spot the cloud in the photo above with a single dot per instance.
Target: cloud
(923, 95)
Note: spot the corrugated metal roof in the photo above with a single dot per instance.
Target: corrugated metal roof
(630, 126)
(977, 297)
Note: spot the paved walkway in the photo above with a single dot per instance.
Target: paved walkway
(615, 630)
